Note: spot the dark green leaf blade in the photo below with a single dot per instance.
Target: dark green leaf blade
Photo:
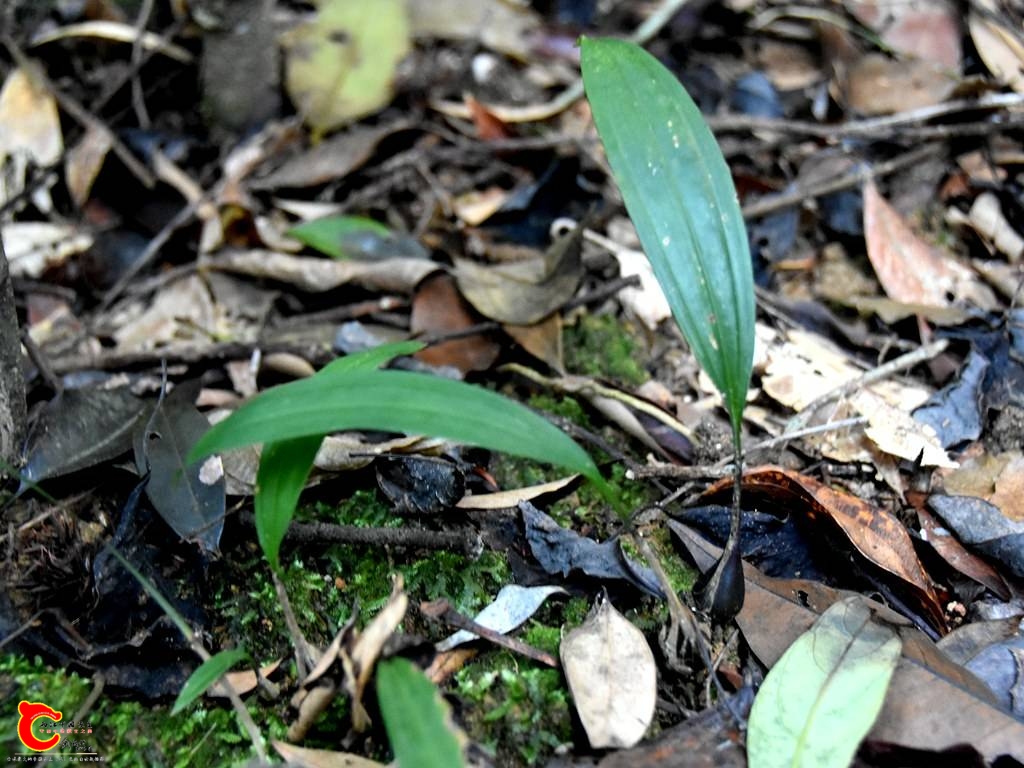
(284, 467)
(415, 718)
(680, 196)
(398, 401)
(206, 674)
(285, 464)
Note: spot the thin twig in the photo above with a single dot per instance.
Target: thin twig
(138, 97)
(795, 196)
(442, 610)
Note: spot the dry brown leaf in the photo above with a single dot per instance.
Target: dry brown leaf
(924, 29)
(996, 478)
(439, 309)
(909, 269)
(875, 533)
(878, 85)
(543, 340)
(959, 557)
(612, 677)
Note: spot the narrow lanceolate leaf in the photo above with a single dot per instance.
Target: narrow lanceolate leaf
(822, 697)
(285, 464)
(418, 724)
(208, 673)
(680, 196)
(398, 401)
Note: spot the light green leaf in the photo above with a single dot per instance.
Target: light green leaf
(680, 196)
(208, 673)
(328, 235)
(398, 401)
(415, 717)
(821, 698)
(285, 464)
(341, 66)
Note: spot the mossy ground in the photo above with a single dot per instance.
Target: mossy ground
(513, 707)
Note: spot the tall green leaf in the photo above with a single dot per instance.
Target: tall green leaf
(398, 401)
(415, 718)
(680, 196)
(285, 464)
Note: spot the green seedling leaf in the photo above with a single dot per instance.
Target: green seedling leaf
(822, 697)
(329, 235)
(285, 464)
(415, 717)
(399, 401)
(680, 196)
(208, 673)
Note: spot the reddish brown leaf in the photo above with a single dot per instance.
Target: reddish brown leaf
(909, 270)
(437, 308)
(875, 533)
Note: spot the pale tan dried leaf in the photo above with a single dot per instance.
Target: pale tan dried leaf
(501, 26)
(304, 757)
(84, 161)
(118, 32)
(317, 275)
(986, 216)
(367, 650)
(510, 499)
(29, 135)
(33, 247)
(897, 433)
(476, 207)
(1001, 49)
(241, 682)
(612, 677)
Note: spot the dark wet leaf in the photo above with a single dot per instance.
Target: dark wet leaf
(524, 292)
(1001, 668)
(959, 557)
(753, 94)
(80, 428)
(955, 412)
(420, 485)
(561, 551)
(189, 495)
(982, 527)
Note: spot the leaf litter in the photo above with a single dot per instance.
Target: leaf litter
(113, 276)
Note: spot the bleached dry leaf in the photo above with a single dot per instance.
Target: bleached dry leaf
(29, 133)
(304, 757)
(317, 275)
(897, 433)
(513, 605)
(84, 161)
(118, 32)
(183, 310)
(367, 650)
(501, 26)
(510, 499)
(612, 676)
(986, 216)
(242, 681)
(33, 247)
(1000, 48)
